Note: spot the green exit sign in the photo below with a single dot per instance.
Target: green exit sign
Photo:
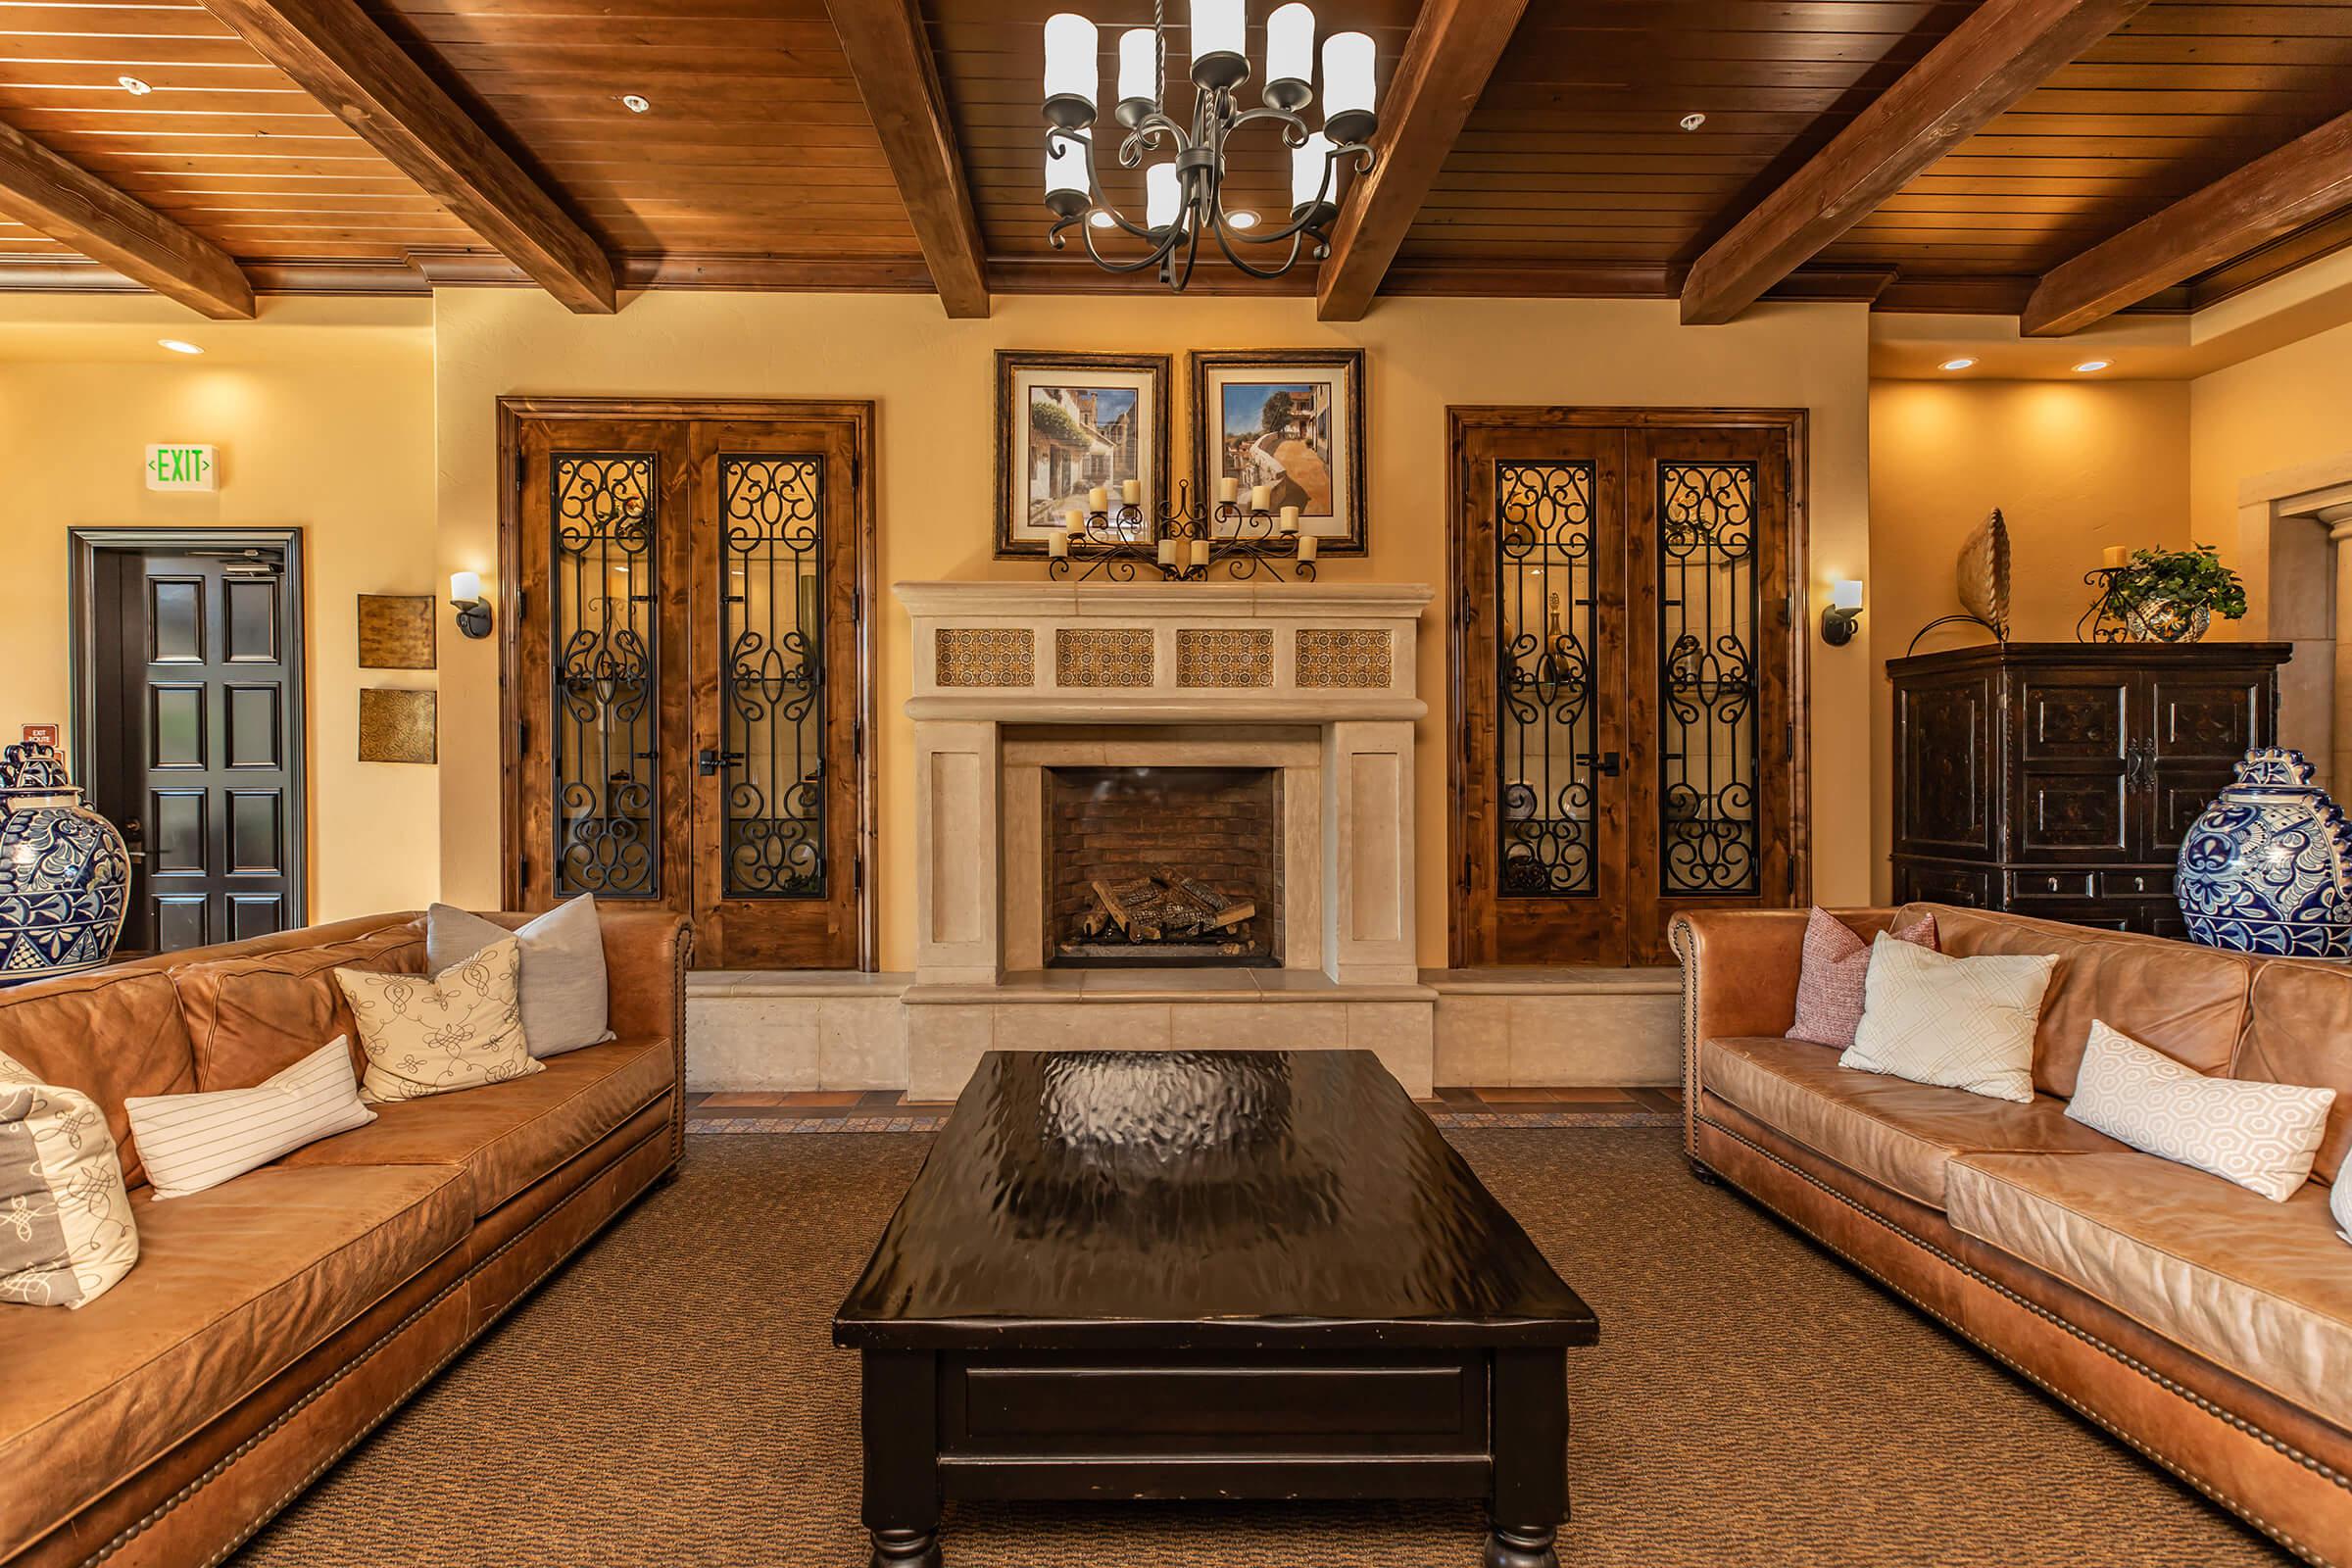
(182, 467)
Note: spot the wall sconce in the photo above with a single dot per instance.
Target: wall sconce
(473, 610)
(1843, 614)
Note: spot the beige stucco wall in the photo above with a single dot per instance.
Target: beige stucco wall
(322, 412)
(933, 381)
(2280, 410)
(2074, 465)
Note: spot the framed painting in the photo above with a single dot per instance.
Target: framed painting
(1290, 419)
(1072, 423)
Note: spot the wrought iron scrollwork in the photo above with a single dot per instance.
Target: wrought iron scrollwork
(608, 716)
(1708, 722)
(771, 683)
(1545, 582)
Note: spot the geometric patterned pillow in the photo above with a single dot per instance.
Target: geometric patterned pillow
(1960, 1023)
(2262, 1136)
(67, 1233)
(2339, 1204)
(458, 1029)
(1829, 986)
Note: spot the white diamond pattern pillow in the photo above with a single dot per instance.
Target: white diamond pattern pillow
(1958, 1023)
(2262, 1136)
(2339, 1204)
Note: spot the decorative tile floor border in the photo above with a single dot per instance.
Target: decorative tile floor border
(888, 1112)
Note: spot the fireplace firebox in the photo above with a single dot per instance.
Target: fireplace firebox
(1163, 867)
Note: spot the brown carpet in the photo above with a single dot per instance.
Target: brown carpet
(673, 1397)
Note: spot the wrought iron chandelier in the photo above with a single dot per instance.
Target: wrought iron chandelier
(1184, 179)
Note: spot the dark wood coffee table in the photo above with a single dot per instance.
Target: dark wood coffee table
(1206, 1274)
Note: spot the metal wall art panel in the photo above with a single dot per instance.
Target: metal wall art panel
(397, 725)
(1707, 719)
(607, 666)
(1548, 631)
(396, 632)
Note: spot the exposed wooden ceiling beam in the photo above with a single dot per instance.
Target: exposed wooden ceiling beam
(2276, 194)
(1446, 60)
(367, 80)
(2004, 50)
(890, 57)
(76, 207)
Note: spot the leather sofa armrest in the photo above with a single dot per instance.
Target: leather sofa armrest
(646, 954)
(1740, 974)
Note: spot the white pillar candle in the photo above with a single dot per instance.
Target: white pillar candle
(1098, 500)
(1074, 520)
(1289, 519)
(1167, 551)
(1227, 487)
(1199, 551)
(1307, 547)
(1057, 542)
(1131, 491)
(1261, 496)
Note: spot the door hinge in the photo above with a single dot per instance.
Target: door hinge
(523, 738)
(522, 599)
(522, 470)
(858, 874)
(523, 874)
(858, 737)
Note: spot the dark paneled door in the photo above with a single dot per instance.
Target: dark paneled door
(1625, 678)
(689, 680)
(195, 740)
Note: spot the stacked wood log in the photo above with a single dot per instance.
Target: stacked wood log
(1169, 907)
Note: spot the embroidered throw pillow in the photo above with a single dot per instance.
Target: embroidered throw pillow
(2262, 1136)
(1961, 1023)
(563, 1000)
(1828, 988)
(192, 1142)
(458, 1029)
(67, 1233)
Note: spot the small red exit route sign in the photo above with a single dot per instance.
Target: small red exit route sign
(40, 734)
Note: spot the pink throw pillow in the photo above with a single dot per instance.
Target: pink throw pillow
(1829, 989)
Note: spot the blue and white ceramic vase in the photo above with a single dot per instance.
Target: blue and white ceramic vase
(2268, 868)
(65, 875)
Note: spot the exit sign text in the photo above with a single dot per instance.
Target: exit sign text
(182, 467)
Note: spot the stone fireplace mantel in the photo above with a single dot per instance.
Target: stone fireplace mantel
(1316, 680)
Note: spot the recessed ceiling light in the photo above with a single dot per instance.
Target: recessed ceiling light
(134, 86)
(1693, 121)
(1241, 220)
(1955, 365)
(179, 346)
(1103, 220)
(634, 104)
(2088, 365)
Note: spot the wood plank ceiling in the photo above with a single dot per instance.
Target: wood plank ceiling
(757, 163)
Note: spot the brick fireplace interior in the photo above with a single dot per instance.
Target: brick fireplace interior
(1138, 859)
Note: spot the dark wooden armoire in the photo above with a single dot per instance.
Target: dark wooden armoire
(2057, 779)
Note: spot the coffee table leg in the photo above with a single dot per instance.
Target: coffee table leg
(900, 1419)
(1530, 1458)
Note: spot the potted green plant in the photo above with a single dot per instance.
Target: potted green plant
(2171, 596)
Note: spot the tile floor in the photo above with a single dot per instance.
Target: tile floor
(887, 1110)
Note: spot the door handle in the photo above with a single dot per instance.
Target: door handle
(135, 840)
(1609, 765)
(710, 761)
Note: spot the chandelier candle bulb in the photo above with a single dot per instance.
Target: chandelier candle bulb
(1261, 496)
(1290, 56)
(1139, 72)
(1308, 164)
(1163, 198)
(1065, 175)
(1220, 35)
(1348, 87)
(1073, 70)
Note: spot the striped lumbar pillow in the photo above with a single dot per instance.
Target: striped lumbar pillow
(66, 1231)
(192, 1142)
(2262, 1136)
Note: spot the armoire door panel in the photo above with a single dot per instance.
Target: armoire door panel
(1944, 731)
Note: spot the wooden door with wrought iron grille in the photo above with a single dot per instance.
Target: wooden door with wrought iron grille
(687, 670)
(1627, 671)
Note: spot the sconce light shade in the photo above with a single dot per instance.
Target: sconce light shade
(473, 610)
(1844, 612)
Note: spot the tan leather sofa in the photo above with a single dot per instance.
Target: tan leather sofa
(2205, 1325)
(273, 1321)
